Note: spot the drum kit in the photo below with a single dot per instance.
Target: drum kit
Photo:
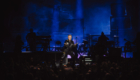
(84, 46)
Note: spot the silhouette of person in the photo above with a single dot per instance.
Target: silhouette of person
(128, 45)
(18, 44)
(103, 39)
(31, 39)
(68, 49)
(137, 42)
(101, 45)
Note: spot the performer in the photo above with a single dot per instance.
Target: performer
(18, 44)
(68, 49)
(137, 43)
(101, 46)
(103, 39)
(31, 39)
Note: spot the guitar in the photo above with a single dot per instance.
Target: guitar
(128, 42)
(68, 48)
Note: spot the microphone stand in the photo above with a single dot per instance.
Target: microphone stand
(76, 39)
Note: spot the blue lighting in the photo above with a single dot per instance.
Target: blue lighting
(55, 20)
(97, 19)
(61, 20)
(79, 9)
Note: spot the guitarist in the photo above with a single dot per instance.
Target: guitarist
(68, 49)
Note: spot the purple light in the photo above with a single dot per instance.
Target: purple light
(68, 56)
(82, 54)
(78, 56)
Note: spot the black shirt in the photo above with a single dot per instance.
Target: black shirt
(31, 37)
(70, 44)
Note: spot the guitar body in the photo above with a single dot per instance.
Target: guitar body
(68, 48)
